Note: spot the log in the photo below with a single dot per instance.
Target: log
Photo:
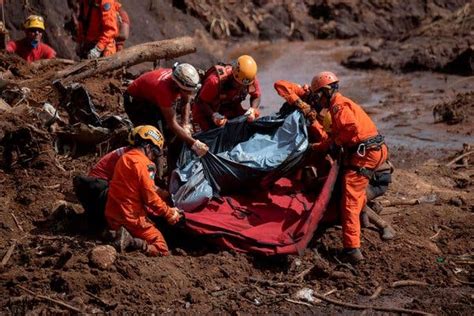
(134, 55)
(166, 49)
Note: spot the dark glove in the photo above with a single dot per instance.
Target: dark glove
(334, 150)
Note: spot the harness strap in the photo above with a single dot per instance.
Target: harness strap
(366, 172)
(373, 143)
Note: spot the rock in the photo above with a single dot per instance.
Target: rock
(306, 294)
(456, 201)
(103, 256)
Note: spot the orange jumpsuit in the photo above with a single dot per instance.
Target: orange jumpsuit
(98, 25)
(132, 193)
(351, 126)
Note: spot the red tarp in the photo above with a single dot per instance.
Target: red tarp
(278, 221)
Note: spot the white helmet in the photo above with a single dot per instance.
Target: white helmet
(186, 76)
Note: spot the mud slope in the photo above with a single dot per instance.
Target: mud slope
(443, 45)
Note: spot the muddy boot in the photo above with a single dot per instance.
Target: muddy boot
(352, 255)
(364, 219)
(123, 239)
(388, 233)
(138, 244)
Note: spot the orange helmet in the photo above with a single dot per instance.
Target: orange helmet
(244, 70)
(323, 80)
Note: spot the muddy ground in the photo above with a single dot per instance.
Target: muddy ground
(426, 117)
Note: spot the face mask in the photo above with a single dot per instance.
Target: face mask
(34, 43)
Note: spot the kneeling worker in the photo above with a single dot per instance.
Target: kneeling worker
(132, 194)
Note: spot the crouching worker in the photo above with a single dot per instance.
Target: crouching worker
(132, 196)
(91, 190)
(153, 99)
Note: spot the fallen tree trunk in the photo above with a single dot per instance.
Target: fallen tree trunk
(145, 52)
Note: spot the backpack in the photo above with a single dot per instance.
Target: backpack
(123, 22)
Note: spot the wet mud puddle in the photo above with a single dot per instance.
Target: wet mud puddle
(400, 104)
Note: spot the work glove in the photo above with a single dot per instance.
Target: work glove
(219, 119)
(334, 150)
(188, 129)
(173, 216)
(302, 106)
(200, 148)
(252, 114)
(94, 53)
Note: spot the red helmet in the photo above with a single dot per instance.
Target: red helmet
(323, 80)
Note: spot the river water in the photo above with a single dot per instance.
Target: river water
(400, 104)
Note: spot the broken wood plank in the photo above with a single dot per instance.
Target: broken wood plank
(8, 254)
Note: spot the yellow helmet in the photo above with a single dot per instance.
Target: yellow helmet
(34, 22)
(151, 133)
(132, 134)
(244, 69)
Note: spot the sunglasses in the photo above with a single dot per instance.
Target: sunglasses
(34, 30)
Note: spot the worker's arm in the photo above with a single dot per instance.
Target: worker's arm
(185, 110)
(155, 205)
(345, 124)
(208, 95)
(11, 47)
(170, 118)
(255, 94)
(289, 91)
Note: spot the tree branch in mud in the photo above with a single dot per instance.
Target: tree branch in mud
(408, 283)
(8, 254)
(134, 55)
(52, 300)
(377, 308)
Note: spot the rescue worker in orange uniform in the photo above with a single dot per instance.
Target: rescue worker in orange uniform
(153, 97)
(97, 29)
(364, 149)
(31, 48)
(223, 90)
(132, 193)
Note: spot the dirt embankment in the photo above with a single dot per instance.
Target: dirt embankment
(446, 44)
(51, 244)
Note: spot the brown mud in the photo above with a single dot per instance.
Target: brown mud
(445, 44)
(51, 244)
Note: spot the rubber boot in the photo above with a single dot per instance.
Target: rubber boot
(388, 233)
(122, 240)
(364, 219)
(138, 244)
(352, 255)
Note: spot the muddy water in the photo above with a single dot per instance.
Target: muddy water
(400, 104)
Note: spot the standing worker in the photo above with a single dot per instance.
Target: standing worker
(364, 151)
(152, 99)
(31, 48)
(97, 29)
(223, 90)
(132, 195)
